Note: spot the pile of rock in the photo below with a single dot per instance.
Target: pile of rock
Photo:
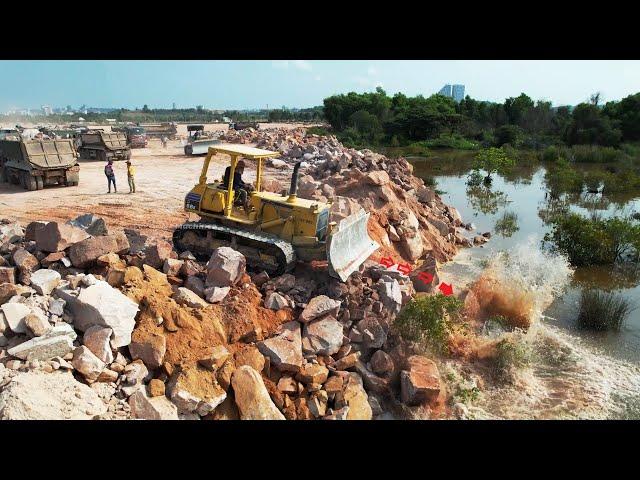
(72, 344)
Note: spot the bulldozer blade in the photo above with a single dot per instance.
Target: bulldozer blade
(350, 246)
(201, 147)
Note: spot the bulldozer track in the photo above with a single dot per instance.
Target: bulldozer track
(282, 250)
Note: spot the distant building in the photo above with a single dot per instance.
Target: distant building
(457, 92)
(446, 91)
(47, 110)
(453, 91)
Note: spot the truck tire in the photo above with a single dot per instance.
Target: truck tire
(39, 183)
(30, 182)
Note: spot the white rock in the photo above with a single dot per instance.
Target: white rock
(98, 340)
(154, 408)
(275, 301)
(42, 348)
(216, 294)
(225, 267)
(322, 337)
(251, 396)
(14, 314)
(101, 304)
(87, 363)
(184, 296)
(45, 280)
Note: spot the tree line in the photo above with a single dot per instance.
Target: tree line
(375, 117)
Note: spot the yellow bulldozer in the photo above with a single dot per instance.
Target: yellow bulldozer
(276, 230)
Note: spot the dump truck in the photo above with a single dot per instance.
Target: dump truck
(277, 230)
(243, 125)
(100, 145)
(136, 136)
(35, 164)
(158, 130)
(199, 140)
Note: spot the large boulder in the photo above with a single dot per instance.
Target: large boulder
(98, 340)
(148, 347)
(355, 397)
(225, 268)
(11, 233)
(184, 296)
(101, 304)
(151, 408)
(44, 280)
(83, 254)
(56, 237)
(15, 314)
(87, 363)
(419, 381)
(411, 240)
(319, 307)
(155, 255)
(26, 263)
(390, 294)
(90, 223)
(285, 349)
(322, 337)
(7, 275)
(195, 390)
(252, 397)
(37, 395)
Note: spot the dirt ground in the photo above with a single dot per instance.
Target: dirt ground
(163, 178)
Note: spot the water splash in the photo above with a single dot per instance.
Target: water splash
(567, 378)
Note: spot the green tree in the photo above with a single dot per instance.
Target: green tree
(492, 160)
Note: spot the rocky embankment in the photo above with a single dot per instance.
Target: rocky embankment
(106, 324)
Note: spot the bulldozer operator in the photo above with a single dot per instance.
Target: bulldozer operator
(239, 186)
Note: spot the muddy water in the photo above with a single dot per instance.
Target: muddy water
(603, 369)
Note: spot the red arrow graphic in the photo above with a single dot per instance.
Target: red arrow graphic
(446, 289)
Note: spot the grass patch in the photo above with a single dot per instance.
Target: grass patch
(603, 311)
(429, 320)
(587, 153)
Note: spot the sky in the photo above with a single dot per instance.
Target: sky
(244, 84)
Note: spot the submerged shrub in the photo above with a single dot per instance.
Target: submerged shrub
(603, 310)
(512, 354)
(507, 225)
(594, 241)
(429, 319)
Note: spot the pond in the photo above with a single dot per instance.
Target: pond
(514, 210)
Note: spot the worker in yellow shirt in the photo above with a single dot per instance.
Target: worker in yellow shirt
(131, 171)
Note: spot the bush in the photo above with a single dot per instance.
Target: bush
(429, 320)
(563, 178)
(511, 134)
(512, 353)
(493, 160)
(451, 141)
(594, 241)
(603, 310)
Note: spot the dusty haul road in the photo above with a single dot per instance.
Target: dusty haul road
(163, 178)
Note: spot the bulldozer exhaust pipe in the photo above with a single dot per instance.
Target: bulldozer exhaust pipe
(293, 189)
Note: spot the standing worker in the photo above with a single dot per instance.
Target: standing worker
(131, 171)
(163, 139)
(111, 176)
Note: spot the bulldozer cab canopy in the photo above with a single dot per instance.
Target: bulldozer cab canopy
(250, 153)
(194, 128)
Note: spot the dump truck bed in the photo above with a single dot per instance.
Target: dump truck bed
(42, 154)
(112, 141)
